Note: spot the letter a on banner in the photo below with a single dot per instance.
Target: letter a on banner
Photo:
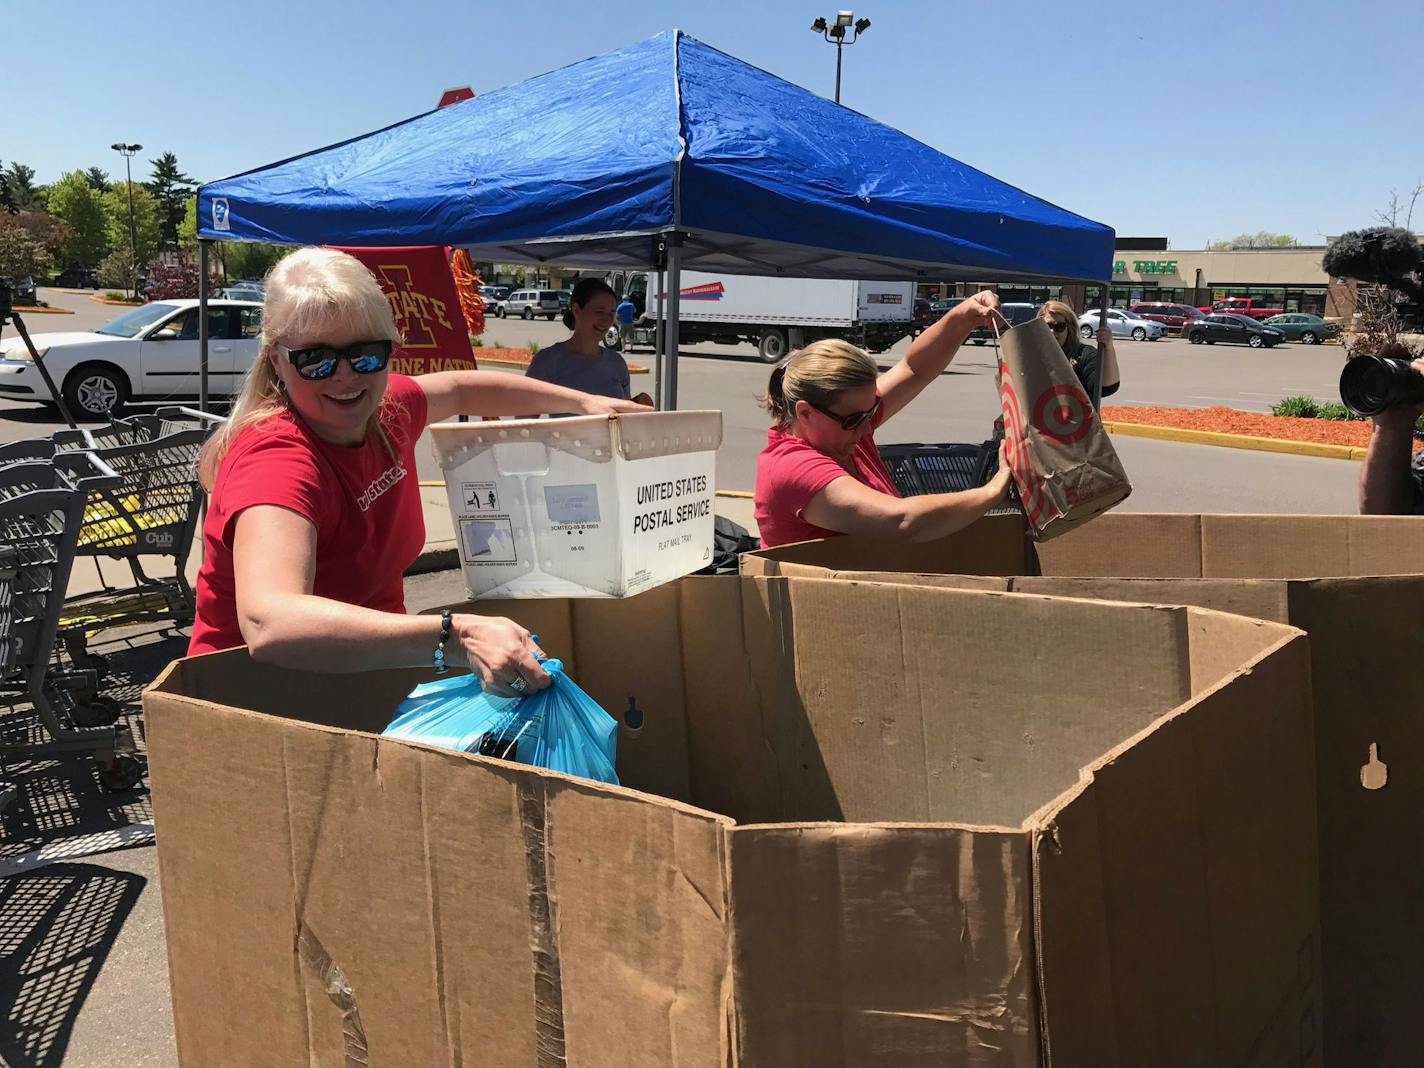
(421, 290)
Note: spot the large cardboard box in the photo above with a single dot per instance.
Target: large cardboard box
(863, 824)
(593, 506)
(1352, 582)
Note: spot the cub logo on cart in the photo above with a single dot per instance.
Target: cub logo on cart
(1063, 413)
(158, 539)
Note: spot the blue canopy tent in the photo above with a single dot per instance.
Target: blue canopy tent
(663, 155)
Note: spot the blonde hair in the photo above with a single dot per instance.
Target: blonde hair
(308, 291)
(816, 374)
(1072, 340)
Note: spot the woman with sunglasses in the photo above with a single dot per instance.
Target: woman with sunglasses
(821, 474)
(1087, 360)
(315, 510)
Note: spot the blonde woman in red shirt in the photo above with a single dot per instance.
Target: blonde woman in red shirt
(821, 473)
(315, 507)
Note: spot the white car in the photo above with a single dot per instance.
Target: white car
(1122, 324)
(149, 353)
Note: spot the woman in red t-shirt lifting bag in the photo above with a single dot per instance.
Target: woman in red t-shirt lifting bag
(315, 511)
(821, 473)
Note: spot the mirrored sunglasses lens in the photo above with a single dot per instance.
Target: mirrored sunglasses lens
(368, 364)
(318, 367)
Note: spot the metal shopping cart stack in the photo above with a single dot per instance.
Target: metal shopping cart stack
(151, 510)
(41, 514)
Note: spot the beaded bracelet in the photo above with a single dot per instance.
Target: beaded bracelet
(444, 637)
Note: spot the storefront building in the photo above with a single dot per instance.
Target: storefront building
(1145, 270)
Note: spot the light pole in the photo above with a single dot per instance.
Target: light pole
(835, 33)
(128, 152)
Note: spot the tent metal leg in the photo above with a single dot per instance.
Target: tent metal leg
(670, 336)
(203, 325)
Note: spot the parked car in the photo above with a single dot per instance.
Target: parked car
(148, 353)
(77, 278)
(1122, 323)
(564, 295)
(492, 295)
(1302, 327)
(527, 303)
(22, 290)
(1243, 306)
(253, 291)
(1172, 316)
(1233, 329)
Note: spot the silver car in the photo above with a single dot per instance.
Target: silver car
(527, 303)
(1122, 323)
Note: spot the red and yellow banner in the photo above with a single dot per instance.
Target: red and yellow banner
(421, 289)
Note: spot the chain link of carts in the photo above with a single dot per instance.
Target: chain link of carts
(126, 491)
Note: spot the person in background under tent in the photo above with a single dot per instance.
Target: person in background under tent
(583, 362)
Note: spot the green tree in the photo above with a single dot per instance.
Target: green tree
(98, 179)
(171, 188)
(74, 201)
(246, 259)
(1260, 239)
(23, 194)
(116, 271)
(188, 228)
(145, 210)
(21, 256)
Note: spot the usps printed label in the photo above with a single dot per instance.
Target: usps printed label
(221, 221)
(479, 498)
(572, 507)
(488, 541)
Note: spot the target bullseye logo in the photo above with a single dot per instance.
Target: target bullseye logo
(1064, 414)
(1029, 487)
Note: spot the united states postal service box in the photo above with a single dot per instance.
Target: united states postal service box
(1354, 583)
(591, 506)
(861, 825)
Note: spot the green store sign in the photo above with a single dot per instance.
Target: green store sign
(1146, 266)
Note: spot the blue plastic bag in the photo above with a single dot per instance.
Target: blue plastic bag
(560, 728)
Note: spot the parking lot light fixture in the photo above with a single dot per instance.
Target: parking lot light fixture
(128, 152)
(835, 33)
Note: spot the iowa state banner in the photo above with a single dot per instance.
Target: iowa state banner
(417, 281)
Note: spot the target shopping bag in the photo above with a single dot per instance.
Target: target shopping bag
(560, 728)
(1065, 469)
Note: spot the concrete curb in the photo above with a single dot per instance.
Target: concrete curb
(1236, 441)
(118, 303)
(42, 311)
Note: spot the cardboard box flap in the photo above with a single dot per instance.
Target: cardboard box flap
(950, 707)
(895, 945)
(1126, 543)
(1161, 831)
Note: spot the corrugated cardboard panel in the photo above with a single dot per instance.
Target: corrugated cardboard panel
(1386, 545)
(736, 667)
(640, 900)
(1258, 546)
(1127, 543)
(1367, 645)
(947, 582)
(994, 545)
(1018, 693)
(1256, 599)
(1206, 841)
(882, 947)
(630, 662)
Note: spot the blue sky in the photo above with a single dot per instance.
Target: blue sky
(1195, 122)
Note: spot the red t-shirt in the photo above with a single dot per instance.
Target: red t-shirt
(365, 507)
(790, 471)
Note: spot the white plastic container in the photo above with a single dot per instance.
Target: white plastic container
(592, 506)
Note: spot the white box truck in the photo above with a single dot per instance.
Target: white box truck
(775, 314)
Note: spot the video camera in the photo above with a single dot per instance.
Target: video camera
(1371, 384)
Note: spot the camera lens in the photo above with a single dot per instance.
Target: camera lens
(1371, 384)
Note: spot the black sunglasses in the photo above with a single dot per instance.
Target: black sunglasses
(365, 357)
(848, 422)
(1056, 325)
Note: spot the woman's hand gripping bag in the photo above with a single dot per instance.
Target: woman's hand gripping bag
(1065, 469)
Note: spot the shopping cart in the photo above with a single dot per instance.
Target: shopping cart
(151, 510)
(41, 516)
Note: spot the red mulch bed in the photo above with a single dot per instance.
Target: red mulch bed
(1253, 424)
(502, 355)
